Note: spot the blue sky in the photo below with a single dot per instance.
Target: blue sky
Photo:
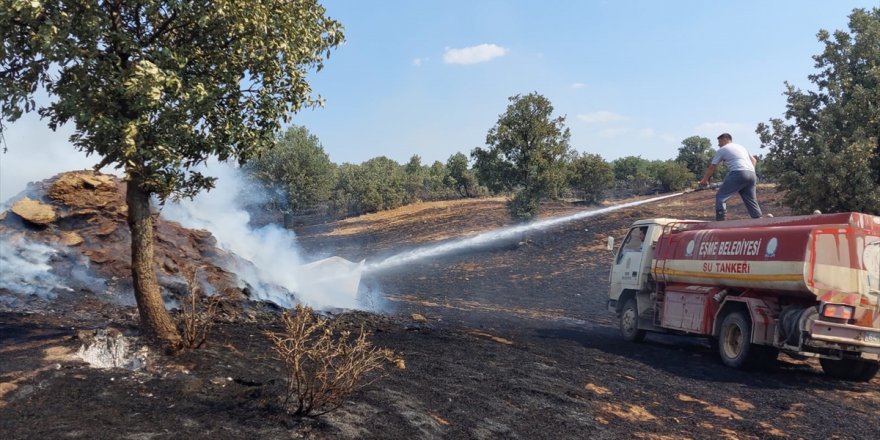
(631, 77)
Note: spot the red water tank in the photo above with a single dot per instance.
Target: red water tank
(820, 256)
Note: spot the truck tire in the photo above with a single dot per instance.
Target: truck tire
(869, 370)
(735, 344)
(850, 369)
(629, 322)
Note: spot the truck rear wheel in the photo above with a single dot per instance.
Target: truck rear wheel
(850, 369)
(629, 322)
(735, 344)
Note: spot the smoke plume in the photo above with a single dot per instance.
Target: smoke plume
(277, 260)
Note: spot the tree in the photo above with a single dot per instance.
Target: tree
(826, 152)
(435, 180)
(155, 87)
(672, 175)
(415, 175)
(696, 153)
(459, 177)
(591, 176)
(632, 172)
(528, 149)
(298, 164)
(375, 185)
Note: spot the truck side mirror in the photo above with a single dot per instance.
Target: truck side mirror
(610, 244)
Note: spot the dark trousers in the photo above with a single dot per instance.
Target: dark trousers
(742, 182)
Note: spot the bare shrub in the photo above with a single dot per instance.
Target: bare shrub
(323, 363)
(198, 312)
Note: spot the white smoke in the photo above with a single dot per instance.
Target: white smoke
(276, 258)
(25, 268)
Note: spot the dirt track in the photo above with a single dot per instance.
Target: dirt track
(517, 345)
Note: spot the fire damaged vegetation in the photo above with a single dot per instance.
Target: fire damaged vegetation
(323, 363)
(500, 342)
(198, 313)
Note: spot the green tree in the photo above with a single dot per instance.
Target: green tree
(375, 185)
(591, 176)
(415, 175)
(493, 170)
(825, 154)
(414, 166)
(298, 164)
(435, 181)
(155, 87)
(632, 172)
(672, 175)
(696, 153)
(527, 149)
(459, 177)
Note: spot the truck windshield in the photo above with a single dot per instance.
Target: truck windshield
(633, 241)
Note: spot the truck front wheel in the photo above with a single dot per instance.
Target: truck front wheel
(735, 344)
(850, 369)
(629, 322)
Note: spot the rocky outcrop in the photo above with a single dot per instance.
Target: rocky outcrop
(34, 212)
(84, 213)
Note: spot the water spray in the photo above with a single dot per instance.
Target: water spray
(496, 235)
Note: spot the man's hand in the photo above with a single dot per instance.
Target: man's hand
(704, 182)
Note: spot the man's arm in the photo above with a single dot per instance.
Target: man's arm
(754, 160)
(709, 172)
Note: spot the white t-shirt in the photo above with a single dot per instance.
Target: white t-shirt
(735, 157)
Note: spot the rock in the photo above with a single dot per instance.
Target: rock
(97, 256)
(169, 266)
(71, 239)
(34, 212)
(400, 364)
(105, 228)
(96, 180)
(419, 317)
(86, 189)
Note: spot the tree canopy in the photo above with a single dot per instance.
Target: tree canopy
(696, 153)
(155, 87)
(527, 150)
(825, 153)
(299, 166)
(591, 176)
(459, 177)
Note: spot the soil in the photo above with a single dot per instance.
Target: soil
(511, 340)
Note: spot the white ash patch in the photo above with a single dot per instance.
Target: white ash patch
(109, 348)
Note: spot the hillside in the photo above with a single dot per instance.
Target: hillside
(516, 343)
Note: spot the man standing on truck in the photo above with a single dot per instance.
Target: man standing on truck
(741, 177)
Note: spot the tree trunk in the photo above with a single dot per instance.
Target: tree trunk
(155, 320)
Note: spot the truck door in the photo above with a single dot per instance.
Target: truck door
(628, 264)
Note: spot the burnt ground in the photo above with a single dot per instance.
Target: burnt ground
(517, 345)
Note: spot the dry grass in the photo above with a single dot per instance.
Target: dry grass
(323, 364)
(409, 215)
(197, 314)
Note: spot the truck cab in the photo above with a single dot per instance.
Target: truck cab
(631, 270)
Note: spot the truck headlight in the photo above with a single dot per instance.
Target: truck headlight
(838, 311)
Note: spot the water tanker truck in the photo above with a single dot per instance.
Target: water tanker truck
(808, 286)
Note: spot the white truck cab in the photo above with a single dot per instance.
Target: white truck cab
(629, 292)
(632, 261)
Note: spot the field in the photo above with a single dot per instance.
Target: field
(516, 343)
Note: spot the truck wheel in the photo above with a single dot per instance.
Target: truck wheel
(850, 369)
(869, 370)
(629, 322)
(735, 344)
